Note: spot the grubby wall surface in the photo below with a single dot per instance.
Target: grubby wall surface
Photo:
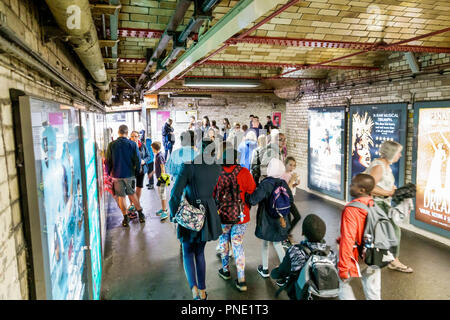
(426, 88)
(235, 107)
(22, 17)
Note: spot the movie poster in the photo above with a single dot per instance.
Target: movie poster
(56, 145)
(88, 121)
(370, 126)
(433, 167)
(326, 151)
(161, 118)
(276, 119)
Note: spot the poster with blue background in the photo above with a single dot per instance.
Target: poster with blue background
(370, 126)
(56, 149)
(90, 152)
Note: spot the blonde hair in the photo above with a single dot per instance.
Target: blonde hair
(251, 135)
(389, 149)
(262, 141)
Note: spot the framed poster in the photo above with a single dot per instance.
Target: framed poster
(370, 126)
(276, 119)
(326, 151)
(431, 161)
(161, 118)
(53, 201)
(185, 116)
(93, 210)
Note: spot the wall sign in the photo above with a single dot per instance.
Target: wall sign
(326, 141)
(431, 160)
(370, 126)
(61, 230)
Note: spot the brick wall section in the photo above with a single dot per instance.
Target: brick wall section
(22, 18)
(236, 107)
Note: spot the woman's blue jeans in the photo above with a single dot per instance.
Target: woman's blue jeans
(194, 263)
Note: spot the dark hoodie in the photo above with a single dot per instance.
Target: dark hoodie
(293, 262)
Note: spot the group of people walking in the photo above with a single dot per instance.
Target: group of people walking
(223, 177)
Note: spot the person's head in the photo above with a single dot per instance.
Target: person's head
(213, 124)
(192, 119)
(244, 128)
(273, 138)
(391, 151)
(187, 139)
(269, 118)
(262, 140)
(205, 121)
(251, 117)
(199, 123)
(123, 131)
(134, 136)
(256, 118)
(290, 164)
(282, 140)
(169, 121)
(275, 168)
(211, 134)
(156, 147)
(226, 123)
(251, 135)
(362, 185)
(237, 126)
(313, 228)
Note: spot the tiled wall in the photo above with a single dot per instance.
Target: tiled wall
(22, 18)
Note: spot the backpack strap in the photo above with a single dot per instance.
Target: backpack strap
(357, 204)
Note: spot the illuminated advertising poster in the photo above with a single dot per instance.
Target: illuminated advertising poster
(432, 159)
(56, 149)
(370, 126)
(276, 119)
(161, 118)
(88, 120)
(326, 151)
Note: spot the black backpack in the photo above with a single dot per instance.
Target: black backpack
(228, 197)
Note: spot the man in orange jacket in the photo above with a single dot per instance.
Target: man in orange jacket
(352, 228)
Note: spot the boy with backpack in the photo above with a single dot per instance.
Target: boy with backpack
(234, 182)
(310, 266)
(275, 202)
(366, 232)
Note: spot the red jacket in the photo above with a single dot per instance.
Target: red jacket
(246, 185)
(352, 229)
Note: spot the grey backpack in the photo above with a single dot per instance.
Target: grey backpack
(380, 242)
(319, 278)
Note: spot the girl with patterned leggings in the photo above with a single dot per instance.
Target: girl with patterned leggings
(234, 233)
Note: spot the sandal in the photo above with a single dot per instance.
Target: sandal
(401, 268)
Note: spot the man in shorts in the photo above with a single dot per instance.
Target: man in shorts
(123, 161)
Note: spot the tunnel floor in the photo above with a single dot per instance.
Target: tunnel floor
(144, 262)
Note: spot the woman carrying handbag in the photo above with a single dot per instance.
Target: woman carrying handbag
(197, 181)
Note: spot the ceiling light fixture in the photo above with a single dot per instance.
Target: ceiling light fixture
(222, 83)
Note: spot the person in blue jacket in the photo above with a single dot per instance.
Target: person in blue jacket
(185, 154)
(148, 143)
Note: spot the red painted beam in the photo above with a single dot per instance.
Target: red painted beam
(263, 64)
(312, 43)
(373, 48)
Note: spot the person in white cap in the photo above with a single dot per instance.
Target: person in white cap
(272, 224)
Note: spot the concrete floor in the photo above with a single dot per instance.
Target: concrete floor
(144, 261)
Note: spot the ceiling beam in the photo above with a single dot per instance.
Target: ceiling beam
(240, 16)
(374, 48)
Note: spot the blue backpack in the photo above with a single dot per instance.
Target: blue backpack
(280, 202)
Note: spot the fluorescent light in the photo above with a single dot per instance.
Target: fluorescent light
(222, 83)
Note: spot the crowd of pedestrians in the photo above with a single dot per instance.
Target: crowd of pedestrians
(219, 174)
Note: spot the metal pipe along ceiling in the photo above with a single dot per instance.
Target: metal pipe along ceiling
(75, 19)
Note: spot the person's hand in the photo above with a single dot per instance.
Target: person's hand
(392, 192)
(142, 162)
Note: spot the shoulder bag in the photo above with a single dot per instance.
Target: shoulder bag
(190, 217)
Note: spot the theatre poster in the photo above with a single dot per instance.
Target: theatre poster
(370, 126)
(431, 166)
(326, 151)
